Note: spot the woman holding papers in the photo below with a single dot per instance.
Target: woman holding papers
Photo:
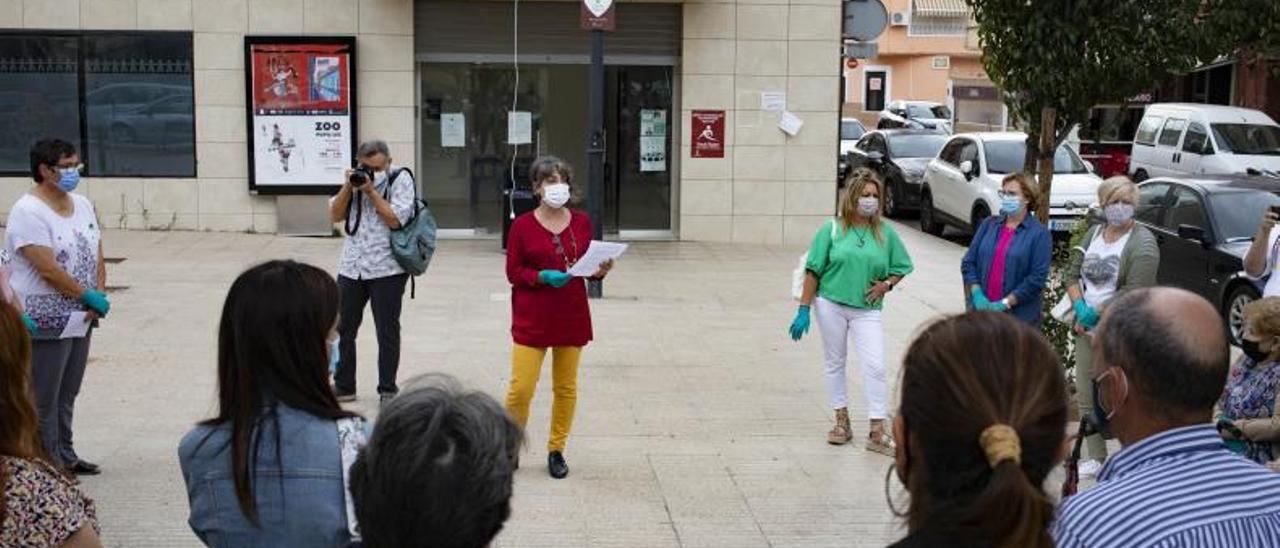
(853, 264)
(54, 246)
(549, 305)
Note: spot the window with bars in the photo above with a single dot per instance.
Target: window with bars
(125, 98)
(938, 26)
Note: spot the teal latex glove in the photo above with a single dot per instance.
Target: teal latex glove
(800, 325)
(998, 306)
(554, 278)
(96, 301)
(30, 323)
(980, 301)
(1086, 316)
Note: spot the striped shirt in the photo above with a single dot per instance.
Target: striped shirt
(1180, 488)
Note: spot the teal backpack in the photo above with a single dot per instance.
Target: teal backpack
(414, 243)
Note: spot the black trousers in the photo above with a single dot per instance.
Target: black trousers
(387, 296)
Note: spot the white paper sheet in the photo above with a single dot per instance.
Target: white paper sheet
(790, 123)
(773, 100)
(597, 254)
(453, 130)
(519, 127)
(77, 326)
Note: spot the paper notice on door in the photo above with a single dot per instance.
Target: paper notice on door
(519, 128)
(597, 254)
(453, 130)
(790, 123)
(77, 326)
(773, 100)
(653, 140)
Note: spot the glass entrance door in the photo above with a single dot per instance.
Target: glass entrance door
(468, 160)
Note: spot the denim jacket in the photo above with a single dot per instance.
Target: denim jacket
(300, 496)
(1026, 263)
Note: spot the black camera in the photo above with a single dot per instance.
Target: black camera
(360, 175)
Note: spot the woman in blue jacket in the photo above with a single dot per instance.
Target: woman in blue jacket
(1008, 261)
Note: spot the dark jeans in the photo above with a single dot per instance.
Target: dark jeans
(57, 370)
(387, 295)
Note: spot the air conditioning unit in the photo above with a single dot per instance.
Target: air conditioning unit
(900, 19)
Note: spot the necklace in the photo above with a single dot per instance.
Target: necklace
(573, 241)
(862, 236)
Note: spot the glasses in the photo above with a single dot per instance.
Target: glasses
(1005, 195)
(79, 168)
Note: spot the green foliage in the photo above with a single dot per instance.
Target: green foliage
(1243, 28)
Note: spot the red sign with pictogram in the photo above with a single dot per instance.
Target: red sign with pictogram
(708, 134)
(598, 15)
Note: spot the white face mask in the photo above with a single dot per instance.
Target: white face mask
(868, 206)
(1118, 213)
(555, 195)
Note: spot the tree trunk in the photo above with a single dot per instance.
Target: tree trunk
(1048, 118)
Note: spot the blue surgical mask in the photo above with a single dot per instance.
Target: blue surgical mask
(1010, 205)
(70, 179)
(334, 354)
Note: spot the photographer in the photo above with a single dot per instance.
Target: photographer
(376, 198)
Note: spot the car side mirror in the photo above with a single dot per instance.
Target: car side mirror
(966, 167)
(1189, 232)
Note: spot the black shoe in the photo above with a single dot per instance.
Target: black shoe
(84, 468)
(557, 466)
(345, 397)
(385, 397)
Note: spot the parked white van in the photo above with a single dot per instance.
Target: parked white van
(1190, 139)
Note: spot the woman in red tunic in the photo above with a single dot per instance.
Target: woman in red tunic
(548, 306)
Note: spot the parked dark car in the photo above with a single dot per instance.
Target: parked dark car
(1204, 226)
(900, 156)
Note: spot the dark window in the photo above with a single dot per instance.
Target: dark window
(928, 111)
(1151, 202)
(1146, 134)
(1248, 138)
(1010, 156)
(916, 145)
(1186, 209)
(1112, 125)
(125, 99)
(969, 153)
(877, 145)
(851, 129)
(1237, 213)
(951, 153)
(1172, 132)
(1196, 139)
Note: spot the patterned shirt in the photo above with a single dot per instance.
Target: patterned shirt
(1180, 488)
(1250, 400)
(74, 242)
(366, 255)
(42, 507)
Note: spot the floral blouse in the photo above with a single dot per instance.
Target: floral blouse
(43, 508)
(1249, 400)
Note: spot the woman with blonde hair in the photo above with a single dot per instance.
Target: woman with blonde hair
(854, 262)
(1113, 257)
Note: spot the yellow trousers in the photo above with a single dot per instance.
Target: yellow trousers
(526, 368)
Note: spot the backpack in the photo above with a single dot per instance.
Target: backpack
(797, 275)
(414, 243)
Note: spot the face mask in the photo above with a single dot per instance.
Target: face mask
(868, 206)
(1101, 417)
(555, 195)
(70, 179)
(333, 357)
(1010, 205)
(1118, 214)
(1252, 350)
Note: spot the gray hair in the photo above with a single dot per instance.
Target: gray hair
(1114, 186)
(375, 146)
(546, 166)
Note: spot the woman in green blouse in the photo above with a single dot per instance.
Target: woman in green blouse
(855, 260)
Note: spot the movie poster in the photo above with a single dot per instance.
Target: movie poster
(301, 114)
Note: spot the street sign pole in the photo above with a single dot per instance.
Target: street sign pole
(597, 16)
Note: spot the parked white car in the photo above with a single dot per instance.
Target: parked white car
(962, 184)
(1178, 139)
(915, 115)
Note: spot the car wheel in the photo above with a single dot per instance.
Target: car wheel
(890, 201)
(1140, 176)
(980, 213)
(1233, 311)
(929, 222)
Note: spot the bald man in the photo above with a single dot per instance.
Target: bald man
(1161, 359)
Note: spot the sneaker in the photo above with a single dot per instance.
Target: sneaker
(557, 466)
(1089, 468)
(346, 397)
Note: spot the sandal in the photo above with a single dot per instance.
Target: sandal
(880, 441)
(842, 432)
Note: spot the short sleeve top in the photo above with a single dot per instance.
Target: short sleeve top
(74, 242)
(42, 507)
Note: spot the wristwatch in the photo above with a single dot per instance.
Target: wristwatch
(1006, 303)
(889, 283)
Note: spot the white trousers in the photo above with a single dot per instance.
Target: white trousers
(837, 322)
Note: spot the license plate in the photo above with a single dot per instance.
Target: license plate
(1062, 225)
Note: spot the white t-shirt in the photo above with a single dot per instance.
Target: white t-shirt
(1100, 271)
(1273, 260)
(74, 241)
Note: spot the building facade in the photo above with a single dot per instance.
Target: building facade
(154, 94)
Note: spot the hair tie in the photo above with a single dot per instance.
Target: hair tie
(1000, 442)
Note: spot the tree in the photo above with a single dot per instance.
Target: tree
(1056, 59)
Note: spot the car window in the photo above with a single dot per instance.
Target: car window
(923, 145)
(1196, 138)
(864, 142)
(1151, 202)
(1186, 209)
(1237, 213)
(851, 129)
(929, 111)
(1172, 132)
(969, 153)
(1248, 138)
(1111, 124)
(1010, 156)
(951, 153)
(1147, 130)
(877, 144)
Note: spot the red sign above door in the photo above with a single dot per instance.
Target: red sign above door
(708, 134)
